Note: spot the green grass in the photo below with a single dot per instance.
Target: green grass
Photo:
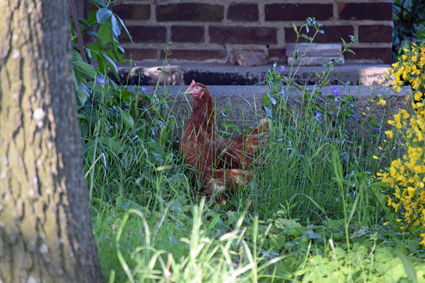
(314, 211)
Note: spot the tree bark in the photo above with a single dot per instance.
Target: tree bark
(45, 224)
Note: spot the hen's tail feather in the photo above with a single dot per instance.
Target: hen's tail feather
(258, 136)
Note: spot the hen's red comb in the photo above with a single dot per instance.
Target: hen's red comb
(192, 84)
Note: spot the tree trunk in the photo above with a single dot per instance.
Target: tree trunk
(45, 224)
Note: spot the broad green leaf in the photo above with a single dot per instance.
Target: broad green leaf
(82, 67)
(102, 15)
(409, 268)
(104, 36)
(116, 29)
(83, 93)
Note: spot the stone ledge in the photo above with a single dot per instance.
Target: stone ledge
(178, 73)
(243, 104)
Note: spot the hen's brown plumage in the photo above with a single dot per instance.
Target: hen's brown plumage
(220, 162)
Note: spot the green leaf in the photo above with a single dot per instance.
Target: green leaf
(306, 37)
(83, 93)
(374, 122)
(112, 64)
(125, 29)
(271, 98)
(116, 29)
(295, 28)
(409, 268)
(102, 15)
(82, 67)
(127, 119)
(101, 3)
(420, 34)
(104, 36)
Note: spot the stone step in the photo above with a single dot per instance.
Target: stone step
(314, 49)
(178, 73)
(242, 105)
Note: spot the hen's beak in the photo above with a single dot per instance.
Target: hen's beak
(189, 89)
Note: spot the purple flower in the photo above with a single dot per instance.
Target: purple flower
(378, 129)
(282, 68)
(101, 79)
(318, 115)
(335, 90)
(283, 93)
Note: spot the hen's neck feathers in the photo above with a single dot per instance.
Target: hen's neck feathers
(203, 110)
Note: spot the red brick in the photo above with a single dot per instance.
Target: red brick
(370, 54)
(132, 11)
(187, 34)
(146, 34)
(366, 11)
(243, 35)
(139, 54)
(332, 34)
(190, 12)
(196, 55)
(277, 53)
(376, 33)
(298, 12)
(243, 12)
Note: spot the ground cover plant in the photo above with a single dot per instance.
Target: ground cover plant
(314, 212)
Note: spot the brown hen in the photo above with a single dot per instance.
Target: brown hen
(221, 163)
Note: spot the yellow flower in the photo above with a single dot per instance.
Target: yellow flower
(406, 175)
(389, 134)
(418, 96)
(382, 102)
(375, 157)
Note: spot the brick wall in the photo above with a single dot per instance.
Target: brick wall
(208, 30)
